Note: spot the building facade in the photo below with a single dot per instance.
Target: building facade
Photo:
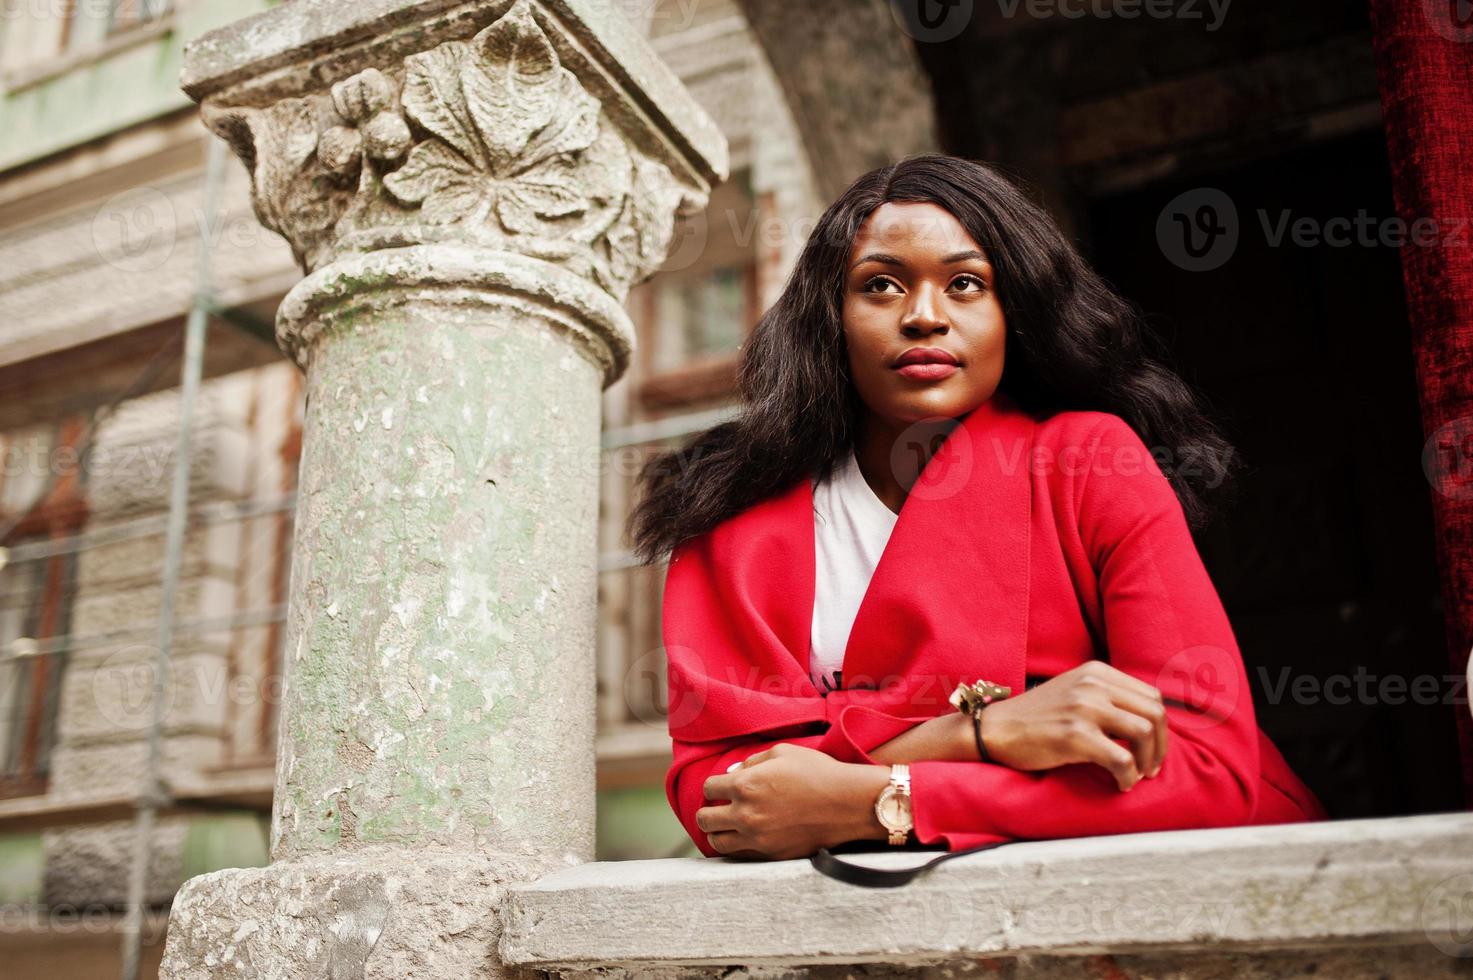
(1329, 562)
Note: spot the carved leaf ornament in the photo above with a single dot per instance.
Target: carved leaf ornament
(491, 141)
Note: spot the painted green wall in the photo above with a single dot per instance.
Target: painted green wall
(22, 868)
(212, 841)
(632, 824)
(226, 840)
(128, 87)
(637, 823)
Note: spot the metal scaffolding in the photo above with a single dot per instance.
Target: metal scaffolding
(153, 793)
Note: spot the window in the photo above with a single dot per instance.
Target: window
(33, 608)
(91, 22)
(40, 500)
(126, 14)
(699, 316)
(48, 38)
(693, 316)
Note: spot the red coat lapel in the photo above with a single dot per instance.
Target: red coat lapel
(948, 600)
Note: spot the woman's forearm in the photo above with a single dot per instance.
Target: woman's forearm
(947, 738)
(855, 794)
(846, 804)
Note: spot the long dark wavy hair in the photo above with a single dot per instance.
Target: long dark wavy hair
(1072, 343)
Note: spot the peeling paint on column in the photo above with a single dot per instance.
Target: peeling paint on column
(444, 580)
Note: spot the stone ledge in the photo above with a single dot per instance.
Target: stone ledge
(374, 912)
(1353, 883)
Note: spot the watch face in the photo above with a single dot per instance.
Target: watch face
(894, 809)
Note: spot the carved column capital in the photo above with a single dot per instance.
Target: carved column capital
(492, 137)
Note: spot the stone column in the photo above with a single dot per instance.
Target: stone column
(472, 189)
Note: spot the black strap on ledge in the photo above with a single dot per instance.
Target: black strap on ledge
(859, 874)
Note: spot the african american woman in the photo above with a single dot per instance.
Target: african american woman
(956, 468)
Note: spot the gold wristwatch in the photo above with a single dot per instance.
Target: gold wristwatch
(893, 806)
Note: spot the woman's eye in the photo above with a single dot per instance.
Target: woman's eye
(875, 284)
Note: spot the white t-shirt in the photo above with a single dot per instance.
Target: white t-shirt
(850, 528)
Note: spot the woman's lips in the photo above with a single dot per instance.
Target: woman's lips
(933, 371)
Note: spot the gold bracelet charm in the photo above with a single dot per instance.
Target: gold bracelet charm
(973, 697)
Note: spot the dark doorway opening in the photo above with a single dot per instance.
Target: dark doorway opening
(1325, 561)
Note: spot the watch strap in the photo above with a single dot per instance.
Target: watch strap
(826, 863)
(900, 780)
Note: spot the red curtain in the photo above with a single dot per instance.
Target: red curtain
(1424, 68)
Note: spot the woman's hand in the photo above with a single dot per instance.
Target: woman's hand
(790, 800)
(1073, 717)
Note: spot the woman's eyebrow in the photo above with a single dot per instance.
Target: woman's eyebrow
(888, 259)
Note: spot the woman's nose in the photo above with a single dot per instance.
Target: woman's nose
(924, 315)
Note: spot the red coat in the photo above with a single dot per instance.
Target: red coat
(1025, 548)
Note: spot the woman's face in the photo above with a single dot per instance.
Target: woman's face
(917, 286)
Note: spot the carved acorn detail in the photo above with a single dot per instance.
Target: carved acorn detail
(358, 97)
(340, 149)
(366, 101)
(386, 136)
